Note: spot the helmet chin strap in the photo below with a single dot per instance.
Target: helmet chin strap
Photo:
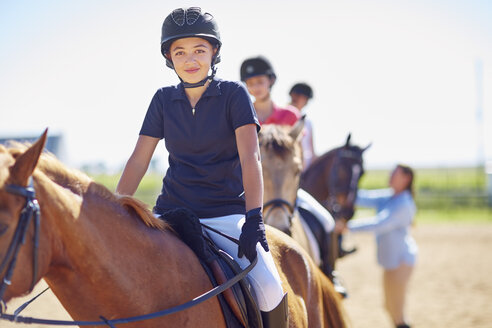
(200, 83)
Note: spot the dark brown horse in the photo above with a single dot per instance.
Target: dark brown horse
(332, 179)
(105, 255)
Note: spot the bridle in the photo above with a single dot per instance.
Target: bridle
(281, 203)
(356, 170)
(28, 214)
(31, 211)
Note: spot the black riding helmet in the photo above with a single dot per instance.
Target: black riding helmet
(303, 89)
(186, 23)
(257, 66)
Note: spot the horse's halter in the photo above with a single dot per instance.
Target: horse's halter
(338, 210)
(28, 212)
(286, 206)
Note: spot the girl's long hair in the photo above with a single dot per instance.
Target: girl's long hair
(407, 170)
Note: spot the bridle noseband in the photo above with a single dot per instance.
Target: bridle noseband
(286, 206)
(29, 212)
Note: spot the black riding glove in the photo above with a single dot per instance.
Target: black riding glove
(253, 231)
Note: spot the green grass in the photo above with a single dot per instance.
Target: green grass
(148, 190)
(460, 215)
(440, 189)
(443, 179)
(442, 195)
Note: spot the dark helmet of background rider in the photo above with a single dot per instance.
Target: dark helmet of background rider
(257, 66)
(186, 23)
(302, 89)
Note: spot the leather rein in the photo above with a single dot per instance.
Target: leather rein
(31, 211)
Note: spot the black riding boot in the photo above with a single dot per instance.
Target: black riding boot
(342, 251)
(278, 317)
(328, 263)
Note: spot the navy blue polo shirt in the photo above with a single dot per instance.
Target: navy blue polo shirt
(204, 172)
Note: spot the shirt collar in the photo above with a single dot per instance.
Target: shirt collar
(213, 90)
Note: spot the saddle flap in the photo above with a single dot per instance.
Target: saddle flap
(243, 291)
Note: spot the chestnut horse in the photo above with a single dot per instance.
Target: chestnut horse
(107, 256)
(333, 179)
(281, 161)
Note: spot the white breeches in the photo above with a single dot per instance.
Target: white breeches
(264, 277)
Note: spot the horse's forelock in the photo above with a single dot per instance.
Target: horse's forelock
(277, 138)
(5, 162)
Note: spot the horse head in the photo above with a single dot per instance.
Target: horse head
(333, 178)
(281, 160)
(18, 209)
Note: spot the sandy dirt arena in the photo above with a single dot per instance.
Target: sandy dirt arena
(451, 285)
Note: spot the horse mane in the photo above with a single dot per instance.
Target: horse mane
(81, 184)
(321, 163)
(277, 138)
(4, 163)
(325, 156)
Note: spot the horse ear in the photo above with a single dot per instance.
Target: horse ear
(26, 163)
(347, 143)
(367, 147)
(296, 130)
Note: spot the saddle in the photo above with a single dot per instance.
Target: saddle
(237, 303)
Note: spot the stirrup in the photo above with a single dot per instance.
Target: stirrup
(344, 252)
(278, 317)
(337, 285)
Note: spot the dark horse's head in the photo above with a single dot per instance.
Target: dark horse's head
(333, 179)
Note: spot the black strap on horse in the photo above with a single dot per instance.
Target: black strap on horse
(30, 210)
(202, 298)
(282, 203)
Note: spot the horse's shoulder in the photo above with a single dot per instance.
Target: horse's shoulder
(286, 251)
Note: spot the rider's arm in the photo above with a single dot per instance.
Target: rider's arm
(137, 165)
(249, 155)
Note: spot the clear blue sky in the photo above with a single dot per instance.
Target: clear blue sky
(399, 74)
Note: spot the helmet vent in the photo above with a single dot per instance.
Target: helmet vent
(192, 14)
(178, 16)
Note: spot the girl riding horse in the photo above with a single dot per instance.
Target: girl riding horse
(259, 76)
(210, 131)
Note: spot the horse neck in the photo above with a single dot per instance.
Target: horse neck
(90, 243)
(316, 178)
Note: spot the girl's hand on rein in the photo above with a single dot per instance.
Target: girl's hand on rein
(252, 232)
